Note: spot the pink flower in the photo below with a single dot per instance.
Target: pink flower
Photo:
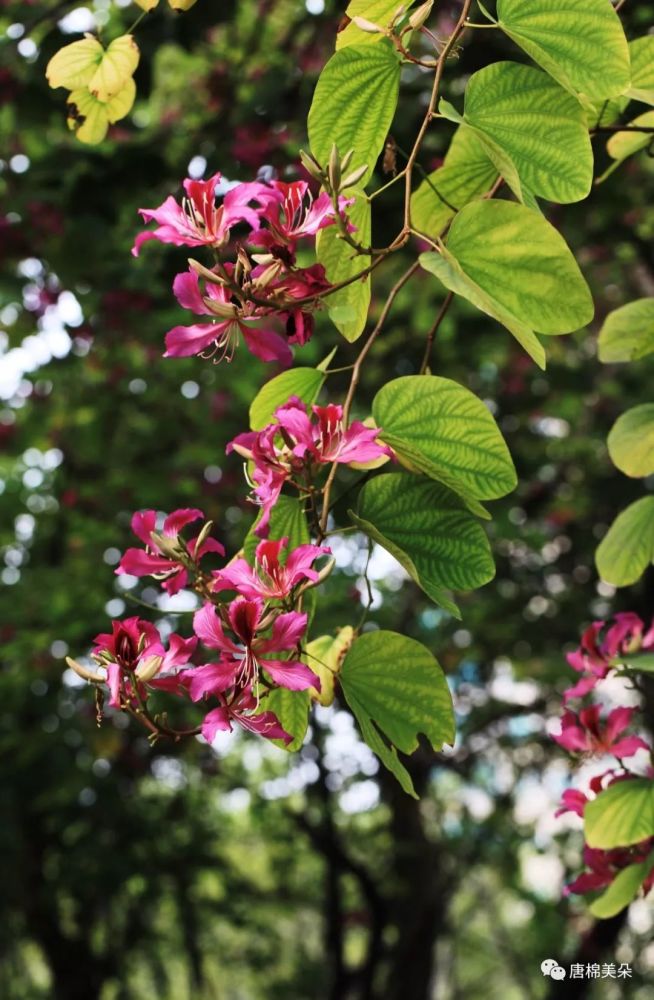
(293, 214)
(167, 566)
(295, 442)
(269, 578)
(197, 221)
(596, 656)
(133, 655)
(573, 801)
(220, 337)
(605, 865)
(249, 652)
(584, 734)
(242, 710)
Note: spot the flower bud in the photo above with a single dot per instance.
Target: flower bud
(334, 169)
(312, 166)
(84, 672)
(354, 177)
(169, 547)
(204, 272)
(149, 668)
(419, 16)
(368, 26)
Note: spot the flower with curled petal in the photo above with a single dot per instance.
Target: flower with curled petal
(270, 578)
(169, 558)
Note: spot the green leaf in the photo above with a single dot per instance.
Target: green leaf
(641, 51)
(621, 815)
(292, 710)
(579, 42)
(303, 382)
(622, 145)
(466, 173)
(430, 532)
(513, 265)
(628, 546)
(439, 428)
(381, 12)
(639, 661)
(533, 131)
(395, 687)
(348, 308)
(628, 332)
(287, 520)
(354, 103)
(631, 441)
(623, 889)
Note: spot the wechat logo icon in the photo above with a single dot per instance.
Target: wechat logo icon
(550, 967)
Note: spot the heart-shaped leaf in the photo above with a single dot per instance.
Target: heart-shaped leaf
(628, 332)
(429, 530)
(466, 173)
(579, 42)
(397, 690)
(621, 815)
(631, 441)
(623, 889)
(354, 103)
(531, 129)
(627, 549)
(437, 427)
(348, 308)
(513, 265)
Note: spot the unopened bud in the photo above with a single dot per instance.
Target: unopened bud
(334, 168)
(369, 26)
(354, 177)
(312, 166)
(84, 672)
(347, 159)
(202, 537)
(224, 310)
(205, 272)
(149, 668)
(419, 16)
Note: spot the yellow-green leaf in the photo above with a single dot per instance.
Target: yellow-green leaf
(381, 12)
(397, 690)
(531, 129)
(580, 43)
(627, 549)
(513, 265)
(348, 308)
(642, 69)
(621, 815)
(325, 656)
(624, 144)
(354, 103)
(116, 67)
(631, 441)
(90, 118)
(75, 65)
(622, 890)
(628, 332)
(466, 173)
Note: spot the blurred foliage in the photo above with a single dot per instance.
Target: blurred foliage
(245, 874)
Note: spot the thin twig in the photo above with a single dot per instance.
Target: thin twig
(354, 381)
(434, 330)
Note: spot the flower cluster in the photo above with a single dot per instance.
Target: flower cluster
(253, 638)
(602, 652)
(294, 444)
(261, 295)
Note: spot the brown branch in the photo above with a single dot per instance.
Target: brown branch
(434, 330)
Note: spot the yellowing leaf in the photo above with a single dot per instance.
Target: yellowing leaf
(116, 68)
(325, 656)
(181, 4)
(90, 118)
(75, 65)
